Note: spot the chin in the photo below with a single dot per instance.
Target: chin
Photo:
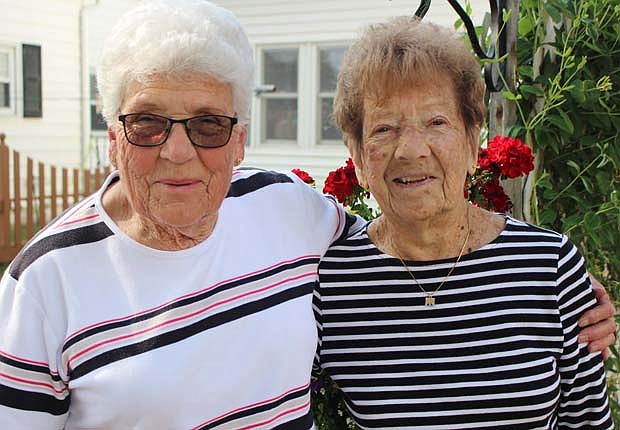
(178, 219)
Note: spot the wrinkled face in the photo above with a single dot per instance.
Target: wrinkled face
(415, 151)
(177, 184)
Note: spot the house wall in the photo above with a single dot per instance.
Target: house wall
(54, 25)
(306, 24)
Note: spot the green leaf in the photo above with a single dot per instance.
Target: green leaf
(530, 89)
(553, 12)
(525, 26)
(574, 165)
(559, 122)
(548, 217)
(578, 92)
(570, 127)
(591, 221)
(569, 222)
(603, 182)
(525, 71)
(513, 97)
(587, 183)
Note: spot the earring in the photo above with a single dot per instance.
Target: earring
(238, 161)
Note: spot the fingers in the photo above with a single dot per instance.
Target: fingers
(603, 310)
(598, 332)
(601, 345)
(596, 285)
(606, 353)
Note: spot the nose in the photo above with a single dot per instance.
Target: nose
(412, 144)
(178, 148)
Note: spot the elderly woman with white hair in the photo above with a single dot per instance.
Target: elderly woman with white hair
(178, 295)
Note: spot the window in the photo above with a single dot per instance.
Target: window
(97, 123)
(295, 94)
(279, 108)
(330, 59)
(7, 80)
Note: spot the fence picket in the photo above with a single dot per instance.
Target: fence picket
(41, 222)
(17, 200)
(54, 194)
(5, 200)
(30, 198)
(97, 178)
(65, 188)
(76, 185)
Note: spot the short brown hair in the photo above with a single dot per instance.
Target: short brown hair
(400, 52)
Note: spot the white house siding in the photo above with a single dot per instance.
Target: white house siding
(53, 25)
(308, 23)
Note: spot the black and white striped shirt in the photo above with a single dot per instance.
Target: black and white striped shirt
(498, 350)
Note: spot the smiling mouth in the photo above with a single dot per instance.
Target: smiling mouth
(413, 179)
(179, 183)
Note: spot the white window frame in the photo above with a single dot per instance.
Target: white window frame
(11, 79)
(308, 108)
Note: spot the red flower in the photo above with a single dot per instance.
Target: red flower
(511, 155)
(484, 162)
(341, 182)
(304, 176)
(495, 198)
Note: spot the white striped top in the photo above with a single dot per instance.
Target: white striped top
(498, 350)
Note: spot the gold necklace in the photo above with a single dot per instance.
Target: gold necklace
(429, 299)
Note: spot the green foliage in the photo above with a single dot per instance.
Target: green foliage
(569, 111)
(328, 406)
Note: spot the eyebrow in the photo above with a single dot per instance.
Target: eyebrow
(157, 108)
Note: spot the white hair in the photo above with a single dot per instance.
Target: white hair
(176, 36)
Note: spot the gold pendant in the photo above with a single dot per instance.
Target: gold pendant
(429, 300)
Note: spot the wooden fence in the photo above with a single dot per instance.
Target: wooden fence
(33, 193)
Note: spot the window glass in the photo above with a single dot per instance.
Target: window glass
(280, 118)
(96, 119)
(329, 131)
(280, 69)
(330, 58)
(5, 95)
(7, 84)
(279, 108)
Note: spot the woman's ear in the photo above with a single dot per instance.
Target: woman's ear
(113, 148)
(474, 145)
(239, 144)
(360, 167)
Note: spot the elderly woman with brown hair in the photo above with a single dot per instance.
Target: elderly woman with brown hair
(439, 314)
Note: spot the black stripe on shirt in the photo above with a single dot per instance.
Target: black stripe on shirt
(31, 401)
(188, 301)
(300, 423)
(191, 330)
(257, 410)
(255, 182)
(65, 239)
(27, 366)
